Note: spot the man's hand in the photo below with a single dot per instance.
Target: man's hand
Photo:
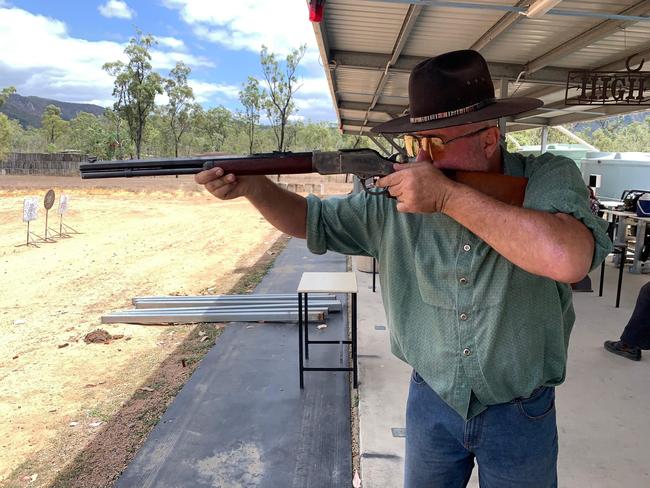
(418, 187)
(227, 187)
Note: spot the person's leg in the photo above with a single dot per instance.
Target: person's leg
(435, 456)
(517, 445)
(637, 330)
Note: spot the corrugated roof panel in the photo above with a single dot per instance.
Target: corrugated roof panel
(611, 48)
(442, 29)
(531, 38)
(356, 81)
(365, 26)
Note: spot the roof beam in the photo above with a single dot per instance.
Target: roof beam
(581, 116)
(587, 38)
(502, 25)
(357, 126)
(376, 62)
(379, 108)
(598, 113)
(558, 106)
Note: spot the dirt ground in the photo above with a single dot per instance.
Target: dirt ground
(74, 413)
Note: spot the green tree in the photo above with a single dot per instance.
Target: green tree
(215, 124)
(179, 108)
(90, 135)
(5, 136)
(253, 99)
(53, 125)
(282, 84)
(118, 141)
(6, 93)
(136, 86)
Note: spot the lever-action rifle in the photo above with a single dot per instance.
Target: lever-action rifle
(366, 164)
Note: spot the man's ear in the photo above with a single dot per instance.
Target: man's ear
(490, 141)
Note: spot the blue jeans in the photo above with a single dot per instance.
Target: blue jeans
(515, 443)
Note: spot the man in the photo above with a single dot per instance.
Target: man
(636, 335)
(475, 290)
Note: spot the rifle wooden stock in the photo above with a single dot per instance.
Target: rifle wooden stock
(505, 188)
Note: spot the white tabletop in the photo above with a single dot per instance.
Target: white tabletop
(328, 282)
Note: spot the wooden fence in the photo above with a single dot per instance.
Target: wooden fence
(56, 164)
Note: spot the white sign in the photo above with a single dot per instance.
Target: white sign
(30, 209)
(63, 204)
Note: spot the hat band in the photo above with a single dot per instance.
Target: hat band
(452, 113)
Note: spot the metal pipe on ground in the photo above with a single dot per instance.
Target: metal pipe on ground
(192, 316)
(257, 297)
(331, 305)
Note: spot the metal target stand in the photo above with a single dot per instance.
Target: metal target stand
(31, 242)
(30, 212)
(63, 208)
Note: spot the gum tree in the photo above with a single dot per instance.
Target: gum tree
(135, 86)
(282, 84)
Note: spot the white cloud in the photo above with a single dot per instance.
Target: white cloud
(313, 86)
(50, 63)
(204, 91)
(171, 42)
(117, 9)
(281, 25)
(166, 60)
(310, 104)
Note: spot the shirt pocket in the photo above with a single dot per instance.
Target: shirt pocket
(435, 258)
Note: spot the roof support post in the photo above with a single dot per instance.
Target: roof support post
(503, 93)
(542, 147)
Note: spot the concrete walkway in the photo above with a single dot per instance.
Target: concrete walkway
(603, 407)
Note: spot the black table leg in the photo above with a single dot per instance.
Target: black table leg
(620, 276)
(355, 373)
(306, 328)
(300, 365)
(374, 273)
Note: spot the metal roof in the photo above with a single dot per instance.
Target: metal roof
(370, 46)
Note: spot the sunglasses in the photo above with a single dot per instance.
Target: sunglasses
(434, 145)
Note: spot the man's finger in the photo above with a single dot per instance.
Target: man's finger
(388, 180)
(222, 190)
(208, 175)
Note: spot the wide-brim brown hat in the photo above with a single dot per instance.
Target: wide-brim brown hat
(452, 89)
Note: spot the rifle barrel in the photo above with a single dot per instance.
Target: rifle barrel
(262, 164)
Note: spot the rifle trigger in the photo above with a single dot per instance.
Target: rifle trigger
(371, 189)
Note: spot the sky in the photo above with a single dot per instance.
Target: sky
(56, 49)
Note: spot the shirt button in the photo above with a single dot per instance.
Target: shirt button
(463, 316)
(463, 281)
(467, 248)
(467, 352)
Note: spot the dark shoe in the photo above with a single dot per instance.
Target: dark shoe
(622, 349)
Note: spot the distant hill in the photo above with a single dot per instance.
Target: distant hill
(28, 110)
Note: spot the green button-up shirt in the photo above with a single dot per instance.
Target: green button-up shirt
(476, 327)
